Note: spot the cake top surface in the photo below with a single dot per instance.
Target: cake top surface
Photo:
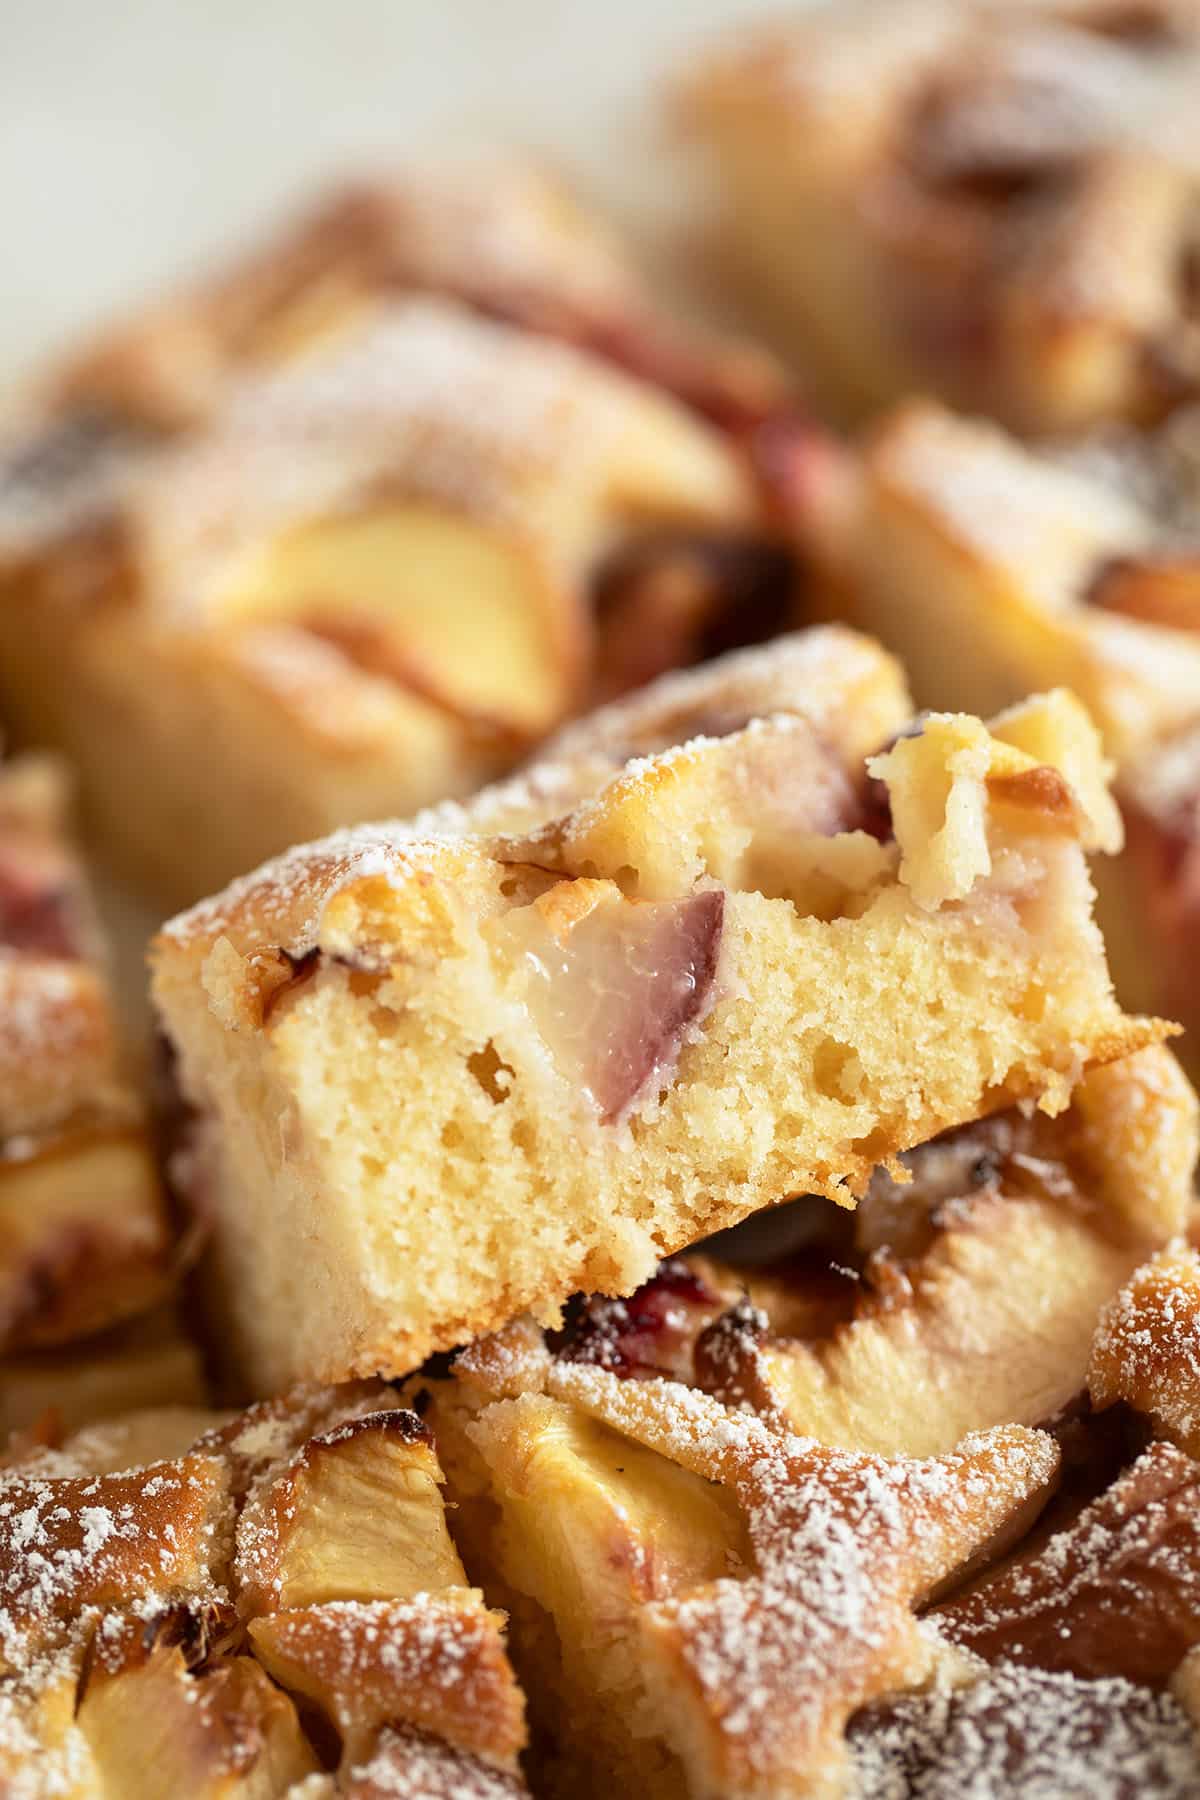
(831, 694)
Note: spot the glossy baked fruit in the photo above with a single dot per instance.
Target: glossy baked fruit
(708, 1508)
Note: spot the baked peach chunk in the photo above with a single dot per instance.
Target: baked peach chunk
(995, 204)
(637, 999)
(968, 1297)
(85, 1244)
(215, 1605)
(701, 1600)
(354, 527)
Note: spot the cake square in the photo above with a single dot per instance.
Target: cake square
(260, 1603)
(446, 1072)
(963, 1304)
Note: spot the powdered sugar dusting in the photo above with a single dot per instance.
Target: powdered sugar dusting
(286, 897)
(1024, 1734)
(1147, 1346)
(136, 1538)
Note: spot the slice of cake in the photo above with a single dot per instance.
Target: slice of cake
(991, 203)
(446, 1072)
(353, 528)
(964, 1303)
(200, 1605)
(86, 1250)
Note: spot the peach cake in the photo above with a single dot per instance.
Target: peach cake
(446, 1071)
(996, 203)
(280, 1603)
(993, 568)
(352, 528)
(204, 1606)
(87, 1257)
(712, 1509)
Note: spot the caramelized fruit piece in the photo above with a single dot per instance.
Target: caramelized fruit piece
(990, 1323)
(463, 613)
(1161, 590)
(593, 1525)
(357, 1515)
(156, 1731)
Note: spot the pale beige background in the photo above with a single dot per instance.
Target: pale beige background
(138, 136)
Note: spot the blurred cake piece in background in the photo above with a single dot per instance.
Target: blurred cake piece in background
(508, 238)
(992, 568)
(352, 529)
(994, 203)
(87, 1254)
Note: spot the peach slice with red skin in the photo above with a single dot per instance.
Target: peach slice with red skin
(614, 985)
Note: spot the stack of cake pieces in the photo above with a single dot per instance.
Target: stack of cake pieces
(479, 1083)
(692, 1255)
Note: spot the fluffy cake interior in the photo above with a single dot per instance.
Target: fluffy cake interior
(474, 1087)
